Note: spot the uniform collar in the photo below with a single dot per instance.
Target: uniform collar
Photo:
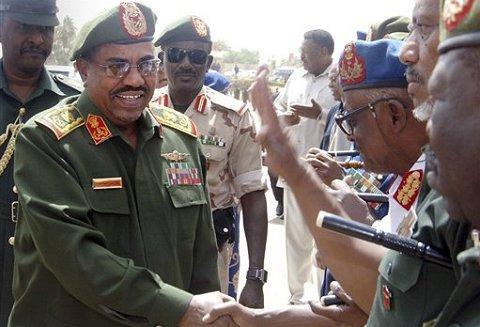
(200, 104)
(46, 83)
(94, 119)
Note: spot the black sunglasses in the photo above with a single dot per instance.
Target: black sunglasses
(344, 118)
(176, 55)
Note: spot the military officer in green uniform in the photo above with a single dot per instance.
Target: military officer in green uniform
(453, 124)
(114, 223)
(26, 88)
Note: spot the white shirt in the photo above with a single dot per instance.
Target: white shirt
(301, 87)
(396, 212)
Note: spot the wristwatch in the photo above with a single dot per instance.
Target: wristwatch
(257, 274)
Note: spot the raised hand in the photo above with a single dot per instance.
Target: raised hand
(281, 157)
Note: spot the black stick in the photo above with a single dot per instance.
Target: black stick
(364, 232)
(349, 153)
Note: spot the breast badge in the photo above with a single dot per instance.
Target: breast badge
(180, 172)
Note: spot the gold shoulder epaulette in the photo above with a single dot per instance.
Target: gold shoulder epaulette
(226, 101)
(61, 120)
(172, 118)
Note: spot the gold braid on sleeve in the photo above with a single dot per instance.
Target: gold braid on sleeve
(12, 131)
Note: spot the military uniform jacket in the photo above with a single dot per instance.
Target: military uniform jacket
(463, 307)
(105, 237)
(228, 141)
(411, 291)
(51, 89)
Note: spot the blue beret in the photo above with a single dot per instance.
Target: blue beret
(361, 35)
(216, 81)
(374, 64)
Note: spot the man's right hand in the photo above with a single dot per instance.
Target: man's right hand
(241, 315)
(202, 304)
(281, 156)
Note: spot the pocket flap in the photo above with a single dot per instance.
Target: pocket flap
(214, 153)
(108, 200)
(400, 270)
(187, 195)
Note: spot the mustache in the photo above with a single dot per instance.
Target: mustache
(130, 89)
(35, 50)
(185, 71)
(413, 75)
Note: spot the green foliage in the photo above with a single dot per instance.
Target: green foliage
(244, 56)
(220, 45)
(62, 43)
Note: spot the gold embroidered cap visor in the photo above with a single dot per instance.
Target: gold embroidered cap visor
(126, 23)
(459, 24)
(31, 12)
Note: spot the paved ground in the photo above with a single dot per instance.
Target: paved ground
(276, 290)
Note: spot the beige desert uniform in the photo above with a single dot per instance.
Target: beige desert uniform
(227, 134)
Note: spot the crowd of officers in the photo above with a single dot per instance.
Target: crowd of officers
(120, 204)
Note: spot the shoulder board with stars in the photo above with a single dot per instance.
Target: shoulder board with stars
(172, 118)
(61, 120)
(70, 82)
(226, 101)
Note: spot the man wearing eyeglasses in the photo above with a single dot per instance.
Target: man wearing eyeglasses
(114, 222)
(227, 135)
(405, 291)
(26, 88)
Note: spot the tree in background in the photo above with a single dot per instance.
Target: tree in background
(244, 56)
(62, 45)
(220, 45)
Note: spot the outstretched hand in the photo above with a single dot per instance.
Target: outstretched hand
(313, 112)
(241, 316)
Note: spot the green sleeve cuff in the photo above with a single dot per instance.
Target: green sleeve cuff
(170, 306)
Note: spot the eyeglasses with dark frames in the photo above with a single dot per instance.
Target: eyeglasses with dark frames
(120, 69)
(196, 56)
(344, 118)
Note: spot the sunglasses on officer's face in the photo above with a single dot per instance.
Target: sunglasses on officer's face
(176, 55)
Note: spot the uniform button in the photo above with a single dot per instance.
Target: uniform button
(11, 241)
(14, 189)
(225, 230)
(389, 269)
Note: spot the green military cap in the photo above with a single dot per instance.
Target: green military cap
(31, 12)
(126, 23)
(188, 28)
(459, 24)
(391, 28)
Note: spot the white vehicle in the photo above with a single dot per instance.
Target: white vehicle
(68, 71)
